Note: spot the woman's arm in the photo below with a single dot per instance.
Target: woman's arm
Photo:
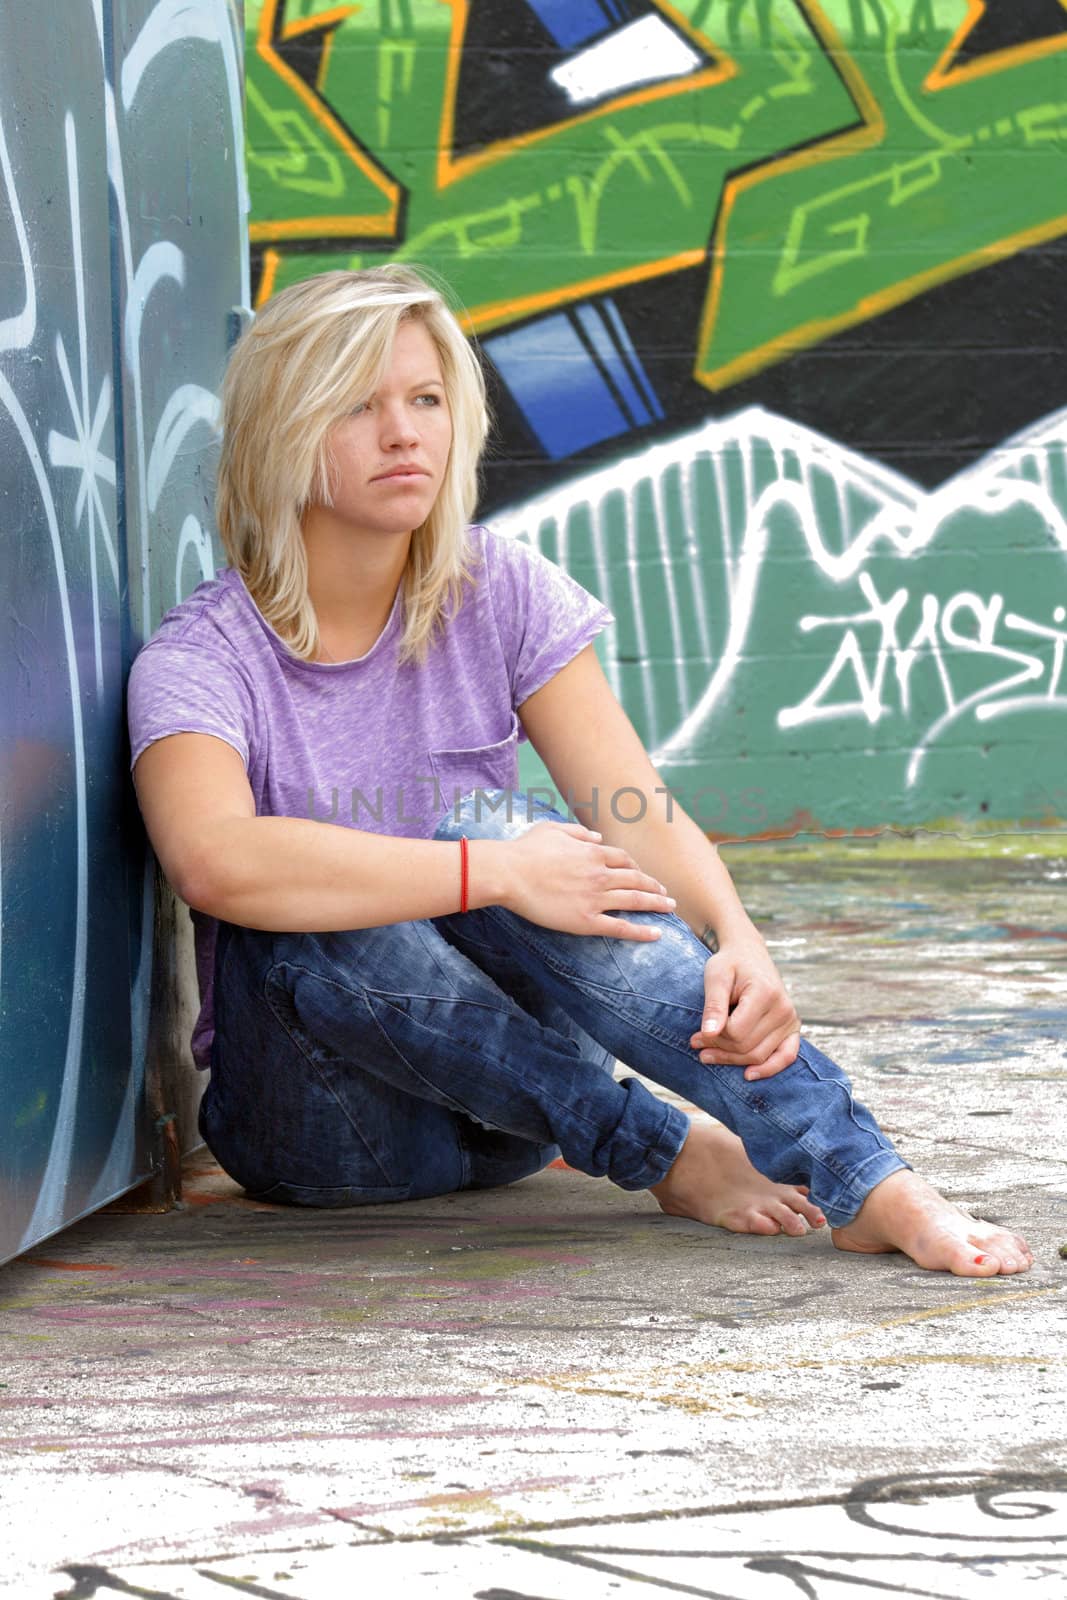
(588, 743)
(296, 875)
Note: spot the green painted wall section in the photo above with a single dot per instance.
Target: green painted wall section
(776, 338)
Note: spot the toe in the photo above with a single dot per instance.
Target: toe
(788, 1219)
(811, 1213)
(968, 1266)
(754, 1222)
(1023, 1251)
(1011, 1253)
(745, 1219)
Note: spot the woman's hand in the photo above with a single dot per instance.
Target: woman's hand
(749, 1020)
(563, 876)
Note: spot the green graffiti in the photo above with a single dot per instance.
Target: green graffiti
(307, 175)
(826, 160)
(813, 247)
(626, 190)
(294, 157)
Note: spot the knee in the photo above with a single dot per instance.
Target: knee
(494, 814)
(819, 1065)
(362, 958)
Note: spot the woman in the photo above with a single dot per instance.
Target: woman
(413, 979)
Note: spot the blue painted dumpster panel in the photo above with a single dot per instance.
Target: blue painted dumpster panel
(121, 242)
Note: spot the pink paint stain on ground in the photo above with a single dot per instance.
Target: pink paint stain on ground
(195, 1438)
(276, 1520)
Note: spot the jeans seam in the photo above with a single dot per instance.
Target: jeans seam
(313, 1064)
(364, 990)
(840, 1172)
(396, 1191)
(578, 979)
(394, 994)
(845, 1089)
(560, 1104)
(428, 946)
(661, 1137)
(827, 1159)
(465, 1165)
(452, 994)
(854, 1187)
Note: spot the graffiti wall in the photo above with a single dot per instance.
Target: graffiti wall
(772, 294)
(121, 237)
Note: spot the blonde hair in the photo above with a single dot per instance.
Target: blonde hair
(313, 352)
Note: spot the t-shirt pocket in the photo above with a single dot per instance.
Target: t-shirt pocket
(486, 766)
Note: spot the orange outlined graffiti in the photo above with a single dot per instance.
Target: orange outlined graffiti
(797, 213)
(381, 224)
(806, 332)
(450, 168)
(950, 70)
(866, 137)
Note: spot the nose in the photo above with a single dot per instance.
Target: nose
(398, 426)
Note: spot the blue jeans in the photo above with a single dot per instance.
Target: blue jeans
(464, 1051)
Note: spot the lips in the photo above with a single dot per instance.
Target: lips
(400, 472)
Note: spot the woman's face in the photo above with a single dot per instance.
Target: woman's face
(390, 454)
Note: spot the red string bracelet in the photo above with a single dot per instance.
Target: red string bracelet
(464, 873)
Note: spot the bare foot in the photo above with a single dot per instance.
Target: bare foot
(904, 1213)
(713, 1181)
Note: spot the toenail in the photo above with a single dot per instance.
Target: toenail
(980, 1261)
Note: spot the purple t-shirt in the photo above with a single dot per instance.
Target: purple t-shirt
(365, 743)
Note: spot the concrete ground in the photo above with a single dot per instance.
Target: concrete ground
(552, 1390)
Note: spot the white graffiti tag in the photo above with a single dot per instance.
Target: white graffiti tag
(739, 508)
(885, 663)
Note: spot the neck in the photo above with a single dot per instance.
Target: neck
(352, 579)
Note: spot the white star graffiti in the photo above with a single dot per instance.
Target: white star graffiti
(82, 453)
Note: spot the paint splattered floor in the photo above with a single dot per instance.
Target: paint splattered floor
(553, 1390)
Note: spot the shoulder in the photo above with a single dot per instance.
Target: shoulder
(510, 578)
(507, 561)
(207, 643)
(212, 617)
(522, 577)
(214, 603)
(196, 674)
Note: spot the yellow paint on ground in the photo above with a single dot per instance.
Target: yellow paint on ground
(986, 1303)
(651, 1384)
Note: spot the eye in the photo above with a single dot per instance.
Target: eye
(358, 408)
(428, 399)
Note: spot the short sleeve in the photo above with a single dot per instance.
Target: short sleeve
(544, 617)
(180, 686)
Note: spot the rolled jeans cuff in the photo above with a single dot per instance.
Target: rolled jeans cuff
(847, 1195)
(662, 1150)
